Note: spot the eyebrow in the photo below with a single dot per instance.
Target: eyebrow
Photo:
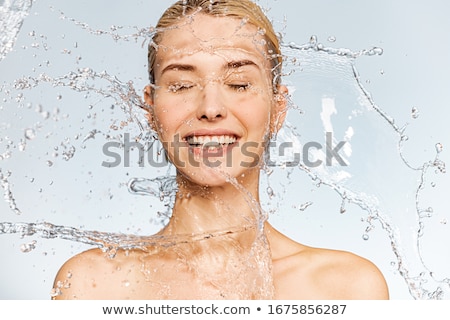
(178, 66)
(240, 63)
(190, 68)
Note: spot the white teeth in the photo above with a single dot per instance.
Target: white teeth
(211, 140)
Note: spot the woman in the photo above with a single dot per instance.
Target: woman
(214, 101)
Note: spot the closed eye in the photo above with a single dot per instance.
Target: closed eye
(240, 86)
(179, 87)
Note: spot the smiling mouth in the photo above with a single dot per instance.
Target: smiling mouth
(211, 142)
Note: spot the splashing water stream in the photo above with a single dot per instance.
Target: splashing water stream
(12, 14)
(100, 88)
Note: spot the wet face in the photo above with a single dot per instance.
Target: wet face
(213, 105)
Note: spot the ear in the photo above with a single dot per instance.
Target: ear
(280, 109)
(149, 102)
(148, 95)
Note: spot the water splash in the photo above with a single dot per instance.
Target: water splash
(8, 194)
(114, 31)
(12, 14)
(165, 188)
(109, 242)
(369, 203)
(104, 84)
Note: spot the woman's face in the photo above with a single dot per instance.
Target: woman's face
(213, 104)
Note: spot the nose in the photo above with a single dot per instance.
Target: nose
(211, 107)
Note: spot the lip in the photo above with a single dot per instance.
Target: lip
(213, 152)
(211, 132)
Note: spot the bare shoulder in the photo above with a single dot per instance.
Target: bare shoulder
(303, 272)
(354, 277)
(90, 275)
(314, 273)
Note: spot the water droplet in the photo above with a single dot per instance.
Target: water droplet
(342, 209)
(45, 114)
(304, 206)
(331, 38)
(439, 164)
(69, 153)
(30, 134)
(439, 147)
(49, 163)
(27, 247)
(90, 135)
(55, 292)
(270, 192)
(415, 112)
(365, 237)
(375, 51)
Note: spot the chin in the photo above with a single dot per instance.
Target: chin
(215, 177)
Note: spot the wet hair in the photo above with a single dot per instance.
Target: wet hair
(246, 10)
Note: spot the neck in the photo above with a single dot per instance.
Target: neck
(228, 248)
(231, 206)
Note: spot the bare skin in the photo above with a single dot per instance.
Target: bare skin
(299, 272)
(211, 81)
(302, 272)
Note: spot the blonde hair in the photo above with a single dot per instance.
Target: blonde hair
(241, 9)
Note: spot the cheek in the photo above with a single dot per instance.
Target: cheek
(258, 122)
(167, 119)
(164, 124)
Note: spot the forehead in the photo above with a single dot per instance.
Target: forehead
(230, 36)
